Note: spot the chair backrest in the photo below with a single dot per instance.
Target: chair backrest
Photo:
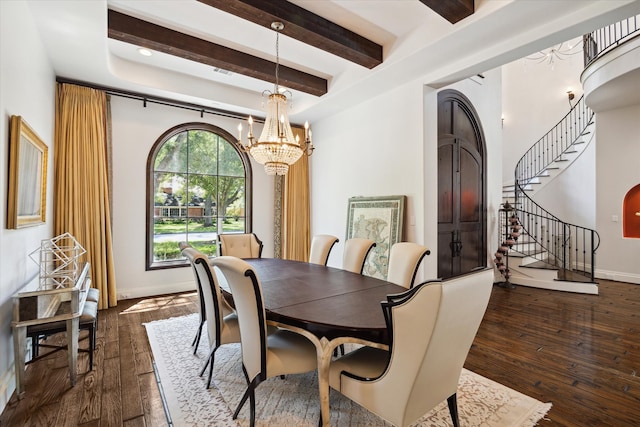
(355, 254)
(432, 327)
(215, 305)
(247, 298)
(404, 259)
(203, 311)
(240, 245)
(321, 246)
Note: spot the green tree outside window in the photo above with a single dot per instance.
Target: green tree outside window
(199, 183)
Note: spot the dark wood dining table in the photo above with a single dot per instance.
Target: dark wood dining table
(328, 305)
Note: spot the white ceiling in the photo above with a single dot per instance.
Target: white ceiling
(417, 44)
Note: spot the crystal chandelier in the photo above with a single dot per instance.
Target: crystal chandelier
(276, 148)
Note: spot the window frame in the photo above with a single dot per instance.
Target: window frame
(150, 264)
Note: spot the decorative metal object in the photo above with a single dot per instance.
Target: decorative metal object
(59, 261)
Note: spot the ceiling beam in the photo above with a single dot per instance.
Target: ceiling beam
(306, 27)
(451, 10)
(141, 33)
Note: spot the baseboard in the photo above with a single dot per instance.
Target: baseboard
(547, 279)
(556, 285)
(150, 291)
(618, 276)
(7, 386)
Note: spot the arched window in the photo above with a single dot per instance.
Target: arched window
(198, 185)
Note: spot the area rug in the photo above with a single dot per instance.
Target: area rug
(294, 400)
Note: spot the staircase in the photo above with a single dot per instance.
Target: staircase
(537, 248)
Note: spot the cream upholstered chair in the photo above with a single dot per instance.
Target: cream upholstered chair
(321, 246)
(356, 250)
(263, 356)
(431, 327)
(240, 245)
(404, 259)
(222, 321)
(201, 312)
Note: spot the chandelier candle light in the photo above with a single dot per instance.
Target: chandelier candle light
(276, 148)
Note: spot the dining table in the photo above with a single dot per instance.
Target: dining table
(329, 306)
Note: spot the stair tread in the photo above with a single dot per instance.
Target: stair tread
(541, 265)
(574, 276)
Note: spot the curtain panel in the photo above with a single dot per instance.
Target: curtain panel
(81, 181)
(296, 210)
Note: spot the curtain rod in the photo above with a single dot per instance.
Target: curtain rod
(159, 100)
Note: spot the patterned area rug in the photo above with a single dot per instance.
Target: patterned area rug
(294, 400)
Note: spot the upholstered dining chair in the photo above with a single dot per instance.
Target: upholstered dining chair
(245, 245)
(321, 246)
(263, 355)
(201, 309)
(404, 259)
(431, 328)
(355, 253)
(222, 321)
(88, 321)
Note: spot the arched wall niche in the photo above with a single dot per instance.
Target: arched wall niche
(631, 213)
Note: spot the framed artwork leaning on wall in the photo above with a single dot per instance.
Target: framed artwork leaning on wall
(380, 219)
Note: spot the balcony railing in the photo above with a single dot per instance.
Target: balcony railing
(605, 39)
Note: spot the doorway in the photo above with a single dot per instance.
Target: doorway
(462, 230)
(631, 213)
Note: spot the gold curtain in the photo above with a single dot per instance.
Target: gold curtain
(296, 221)
(81, 186)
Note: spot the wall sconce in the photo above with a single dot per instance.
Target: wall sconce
(570, 95)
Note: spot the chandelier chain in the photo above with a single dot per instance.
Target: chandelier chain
(277, 60)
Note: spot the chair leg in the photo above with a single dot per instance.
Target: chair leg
(211, 359)
(452, 401)
(34, 346)
(196, 339)
(252, 410)
(249, 393)
(92, 344)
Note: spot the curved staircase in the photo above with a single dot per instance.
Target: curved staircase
(537, 248)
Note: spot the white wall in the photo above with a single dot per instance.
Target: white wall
(571, 196)
(534, 101)
(358, 152)
(135, 131)
(618, 152)
(388, 146)
(27, 89)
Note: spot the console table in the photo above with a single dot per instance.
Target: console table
(45, 306)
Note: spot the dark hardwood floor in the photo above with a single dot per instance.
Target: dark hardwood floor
(580, 352)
